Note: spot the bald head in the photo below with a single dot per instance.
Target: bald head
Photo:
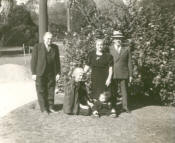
(48, 38)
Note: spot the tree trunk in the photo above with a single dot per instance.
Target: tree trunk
(68, 16)
(43, 19)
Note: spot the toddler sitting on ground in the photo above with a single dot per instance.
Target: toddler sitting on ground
(102, 106)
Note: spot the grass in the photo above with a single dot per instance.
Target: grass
(153, 124)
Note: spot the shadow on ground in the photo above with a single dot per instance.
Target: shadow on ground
(58, 107)
(153, 124)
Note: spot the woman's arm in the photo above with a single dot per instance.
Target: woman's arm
(108, 81)
(130, 65)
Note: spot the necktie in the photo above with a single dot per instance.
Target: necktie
(118, 49)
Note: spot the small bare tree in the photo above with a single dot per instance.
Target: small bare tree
(5, 8)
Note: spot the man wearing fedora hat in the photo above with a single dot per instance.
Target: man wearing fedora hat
(122, 69)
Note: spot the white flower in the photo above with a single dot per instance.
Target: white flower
(148, 43)
(158, 77)
(170, 73)
(161, 65)
(164, 62)
(164, 53)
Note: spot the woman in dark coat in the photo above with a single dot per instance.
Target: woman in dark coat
(100, 64)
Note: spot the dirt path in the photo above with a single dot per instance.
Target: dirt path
(15, 94)
(16, 87)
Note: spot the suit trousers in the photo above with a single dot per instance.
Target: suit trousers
(45, 87)
(121, 84)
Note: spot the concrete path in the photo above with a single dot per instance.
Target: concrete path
(15, 94)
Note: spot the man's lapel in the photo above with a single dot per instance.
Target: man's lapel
(43, 48)
(114, 53)
(122, 50)
(117, 54)
(52, 50)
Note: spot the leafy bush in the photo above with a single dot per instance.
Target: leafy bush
(153, 50)
(150, 28)
(58, 30)
(19, 28)
(82, 12)
(76, 48)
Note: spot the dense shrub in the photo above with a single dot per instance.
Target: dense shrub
(58, 30)
(82, 11)
(150, 28)
(19, 28)
(153, 50)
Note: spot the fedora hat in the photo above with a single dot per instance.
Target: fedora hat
(117, 34)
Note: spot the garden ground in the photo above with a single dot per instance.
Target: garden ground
(153, 124)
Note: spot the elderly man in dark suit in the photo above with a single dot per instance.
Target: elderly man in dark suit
(45, 67)
(122, 69)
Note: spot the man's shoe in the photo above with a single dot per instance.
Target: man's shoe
(95, 114)
(113, 113)
(126, 110)
(52, 110)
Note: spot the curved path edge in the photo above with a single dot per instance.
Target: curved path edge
(15, 94)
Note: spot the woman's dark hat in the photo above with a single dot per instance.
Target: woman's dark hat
(117, 34)
(99, 35)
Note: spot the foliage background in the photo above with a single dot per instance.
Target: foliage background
(18, 29)
(149, 28)
(26, 15)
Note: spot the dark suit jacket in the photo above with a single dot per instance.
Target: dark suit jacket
(122, 68)
(38, 61)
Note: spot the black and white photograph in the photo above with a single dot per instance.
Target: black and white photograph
(87, 71)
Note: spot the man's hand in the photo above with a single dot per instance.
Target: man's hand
(130, 79)
(108, 82)
(34, 77)
(57, 77)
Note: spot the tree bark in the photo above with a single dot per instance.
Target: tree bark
(68, 16)
(43, 19)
